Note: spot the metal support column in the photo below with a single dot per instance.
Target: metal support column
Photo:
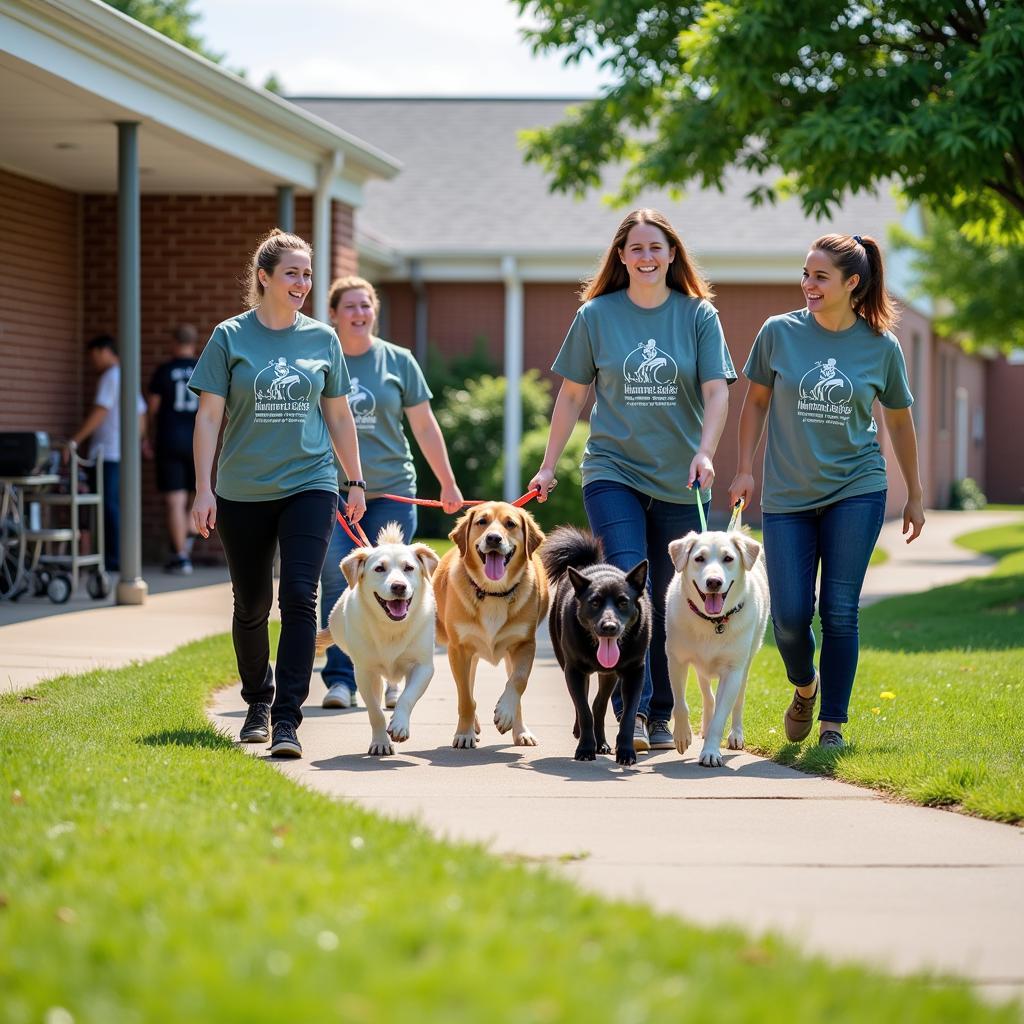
(131, 587)
(322, 268)
(286, 208)
(513, 373)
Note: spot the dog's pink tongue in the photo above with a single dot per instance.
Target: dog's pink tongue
(494, 565)
(398, 608)
(714, 603)
(607, 652)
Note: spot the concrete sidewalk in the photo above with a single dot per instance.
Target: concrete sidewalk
(751, 844)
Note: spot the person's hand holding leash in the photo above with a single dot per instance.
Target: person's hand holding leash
(742, 486)
(701, 469)
(355, 506)
(451, 498)
(204, 512)
(544, 482)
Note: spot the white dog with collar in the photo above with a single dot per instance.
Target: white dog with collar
(716, 611)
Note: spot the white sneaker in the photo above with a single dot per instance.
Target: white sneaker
(339, 696)
(391, 696)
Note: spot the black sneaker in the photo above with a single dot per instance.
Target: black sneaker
(286, 742)
(256, 728)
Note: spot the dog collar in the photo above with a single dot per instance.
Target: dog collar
(720, 621)
(481, 593)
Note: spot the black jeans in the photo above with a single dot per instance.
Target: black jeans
(250, 531)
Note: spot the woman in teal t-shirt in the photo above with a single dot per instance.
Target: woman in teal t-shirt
(386, 385)
(649, 342)
(280, 379)
(814, 376)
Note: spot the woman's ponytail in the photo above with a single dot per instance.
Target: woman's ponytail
(856, 254)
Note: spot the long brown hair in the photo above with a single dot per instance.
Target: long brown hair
(861, 254)
(266, 256)
(612, 276)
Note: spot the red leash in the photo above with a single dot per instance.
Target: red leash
(357, 534)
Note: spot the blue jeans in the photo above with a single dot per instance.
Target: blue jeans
(379, 512)
(111, 516)
(634, 526)
(840, 538)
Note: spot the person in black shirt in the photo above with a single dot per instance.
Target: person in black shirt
(172, 418)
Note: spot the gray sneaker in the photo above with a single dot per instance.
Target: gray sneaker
(832, 740)
(641, 741)
(339, 696)
(661, 735)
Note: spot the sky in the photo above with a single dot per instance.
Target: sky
(388, 48)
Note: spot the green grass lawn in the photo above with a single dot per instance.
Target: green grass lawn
(936, 711)
(152, 872)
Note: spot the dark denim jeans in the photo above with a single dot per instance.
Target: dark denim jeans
(111, 516)
(251, 532)
(839, 538)
(379, 512)
(634, 526)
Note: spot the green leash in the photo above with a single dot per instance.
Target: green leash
(736, 522)
(700, 508)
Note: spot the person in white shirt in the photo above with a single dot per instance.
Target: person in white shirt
(102, 427)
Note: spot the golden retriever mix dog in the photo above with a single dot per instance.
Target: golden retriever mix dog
(492, 593)
(384, 622)
(716, 611)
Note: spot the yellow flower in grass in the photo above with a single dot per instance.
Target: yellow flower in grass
(876, 711)
(887, 695)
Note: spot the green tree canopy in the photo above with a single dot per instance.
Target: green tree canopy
(819, 98)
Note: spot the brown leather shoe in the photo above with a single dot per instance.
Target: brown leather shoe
(799, 716)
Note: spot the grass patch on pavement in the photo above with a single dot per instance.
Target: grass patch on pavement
(936, 710)
(153, 872)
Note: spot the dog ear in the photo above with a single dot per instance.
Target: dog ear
(352, 565)
(637, 576)
(534, 534)
(427, 558)
(460, 535)
(578, 580)
(749, 548)
(679, 550)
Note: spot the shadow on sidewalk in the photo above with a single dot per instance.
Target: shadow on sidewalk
(444, 757)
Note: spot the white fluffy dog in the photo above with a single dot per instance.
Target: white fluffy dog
(384, 622)
(715, 616)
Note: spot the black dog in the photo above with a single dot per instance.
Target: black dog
(600, 622)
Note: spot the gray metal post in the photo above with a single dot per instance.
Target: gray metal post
(286, 207)
(131, 588)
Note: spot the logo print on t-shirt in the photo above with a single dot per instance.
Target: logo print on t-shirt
(363, 405)
(282, 393)
(825, 394)
(650, 374)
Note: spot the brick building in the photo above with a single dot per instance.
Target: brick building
(97, 111)
(468, 243)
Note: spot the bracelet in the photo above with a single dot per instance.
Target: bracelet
(354, 483)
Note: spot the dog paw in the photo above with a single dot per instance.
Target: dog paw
(683, 738)
(464, 740)
(604, 749)
(504, 714)
(524, 739)
(585, 752)
(380, 748)
(625, 755)
(711, 757)
(736, 739)
(398, 730)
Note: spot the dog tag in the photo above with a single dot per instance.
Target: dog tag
(720, 628)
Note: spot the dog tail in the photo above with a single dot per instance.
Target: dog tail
(323, 641)
(567, 546)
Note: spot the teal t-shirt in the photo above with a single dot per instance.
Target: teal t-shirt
(822, 438)
(647, 366)
(275, 441)
(385, 381)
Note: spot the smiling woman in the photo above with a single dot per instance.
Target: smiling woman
(281, 379)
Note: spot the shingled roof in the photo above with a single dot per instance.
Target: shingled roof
(465, 188)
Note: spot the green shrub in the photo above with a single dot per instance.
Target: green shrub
(967, 496)
(472, 421)
(565, 504)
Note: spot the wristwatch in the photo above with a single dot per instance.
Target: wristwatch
(354, 483)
